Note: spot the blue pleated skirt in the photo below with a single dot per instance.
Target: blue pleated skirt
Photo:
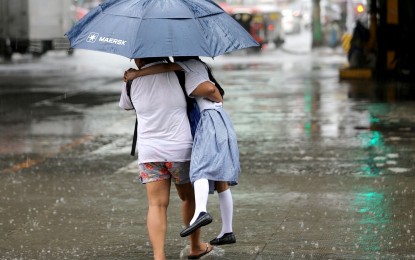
(215, 153)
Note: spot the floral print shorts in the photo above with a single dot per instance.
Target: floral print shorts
(157, 171)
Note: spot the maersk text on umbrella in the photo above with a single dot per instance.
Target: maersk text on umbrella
(93, 36)
(112, 40)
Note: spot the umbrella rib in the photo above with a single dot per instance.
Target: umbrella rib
(206, 10)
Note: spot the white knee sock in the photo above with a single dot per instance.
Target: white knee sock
(201, 187)
(226, 211)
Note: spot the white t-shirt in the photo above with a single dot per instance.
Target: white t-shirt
(196, 73)
(163, 130)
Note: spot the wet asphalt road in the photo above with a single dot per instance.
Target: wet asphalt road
(328, 166)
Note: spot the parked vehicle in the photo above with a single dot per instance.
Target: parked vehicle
(34, 26)
(262, 22)
(273, 23)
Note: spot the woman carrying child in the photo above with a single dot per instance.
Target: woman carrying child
(214, 161)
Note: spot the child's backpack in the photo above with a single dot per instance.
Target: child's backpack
(193, 111)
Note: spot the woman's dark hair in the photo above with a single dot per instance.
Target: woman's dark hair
(211, 78)
(155, 59)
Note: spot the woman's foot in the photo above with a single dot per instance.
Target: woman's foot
(227, 238)
(201, 253)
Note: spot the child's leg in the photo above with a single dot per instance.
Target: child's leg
(201, 188)
(226, 207)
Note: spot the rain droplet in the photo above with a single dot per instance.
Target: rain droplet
(393, 155)
(398, 170)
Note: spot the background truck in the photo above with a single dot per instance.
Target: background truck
(34, 26)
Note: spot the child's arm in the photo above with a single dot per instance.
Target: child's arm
(208, 91)
(159, 68)
(205, 89)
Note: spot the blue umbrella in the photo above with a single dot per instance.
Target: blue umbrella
(155, 28)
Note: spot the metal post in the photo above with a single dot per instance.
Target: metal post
(317, 40)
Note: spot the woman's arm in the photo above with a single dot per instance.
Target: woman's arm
(159, 68)
(208, 91)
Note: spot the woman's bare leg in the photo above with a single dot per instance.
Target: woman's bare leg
(158, 194)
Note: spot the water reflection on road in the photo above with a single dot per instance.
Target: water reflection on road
(273, 95)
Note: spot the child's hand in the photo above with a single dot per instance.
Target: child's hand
(129, 74)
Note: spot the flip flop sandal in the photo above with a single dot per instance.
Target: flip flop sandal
(207, 251)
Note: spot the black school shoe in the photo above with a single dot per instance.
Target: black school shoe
(227, 238)
(203, 219)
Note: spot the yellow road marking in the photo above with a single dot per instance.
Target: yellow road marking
(32, 162)
(23, 165)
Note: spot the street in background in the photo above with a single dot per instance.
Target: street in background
(34, 26)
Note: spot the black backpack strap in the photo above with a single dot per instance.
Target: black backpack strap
(134, 144)
(182, 80)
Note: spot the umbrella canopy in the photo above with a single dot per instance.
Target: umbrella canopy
(155, 28)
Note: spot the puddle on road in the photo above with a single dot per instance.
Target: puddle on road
(43, 122)
(313, 108)
(372, 91)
